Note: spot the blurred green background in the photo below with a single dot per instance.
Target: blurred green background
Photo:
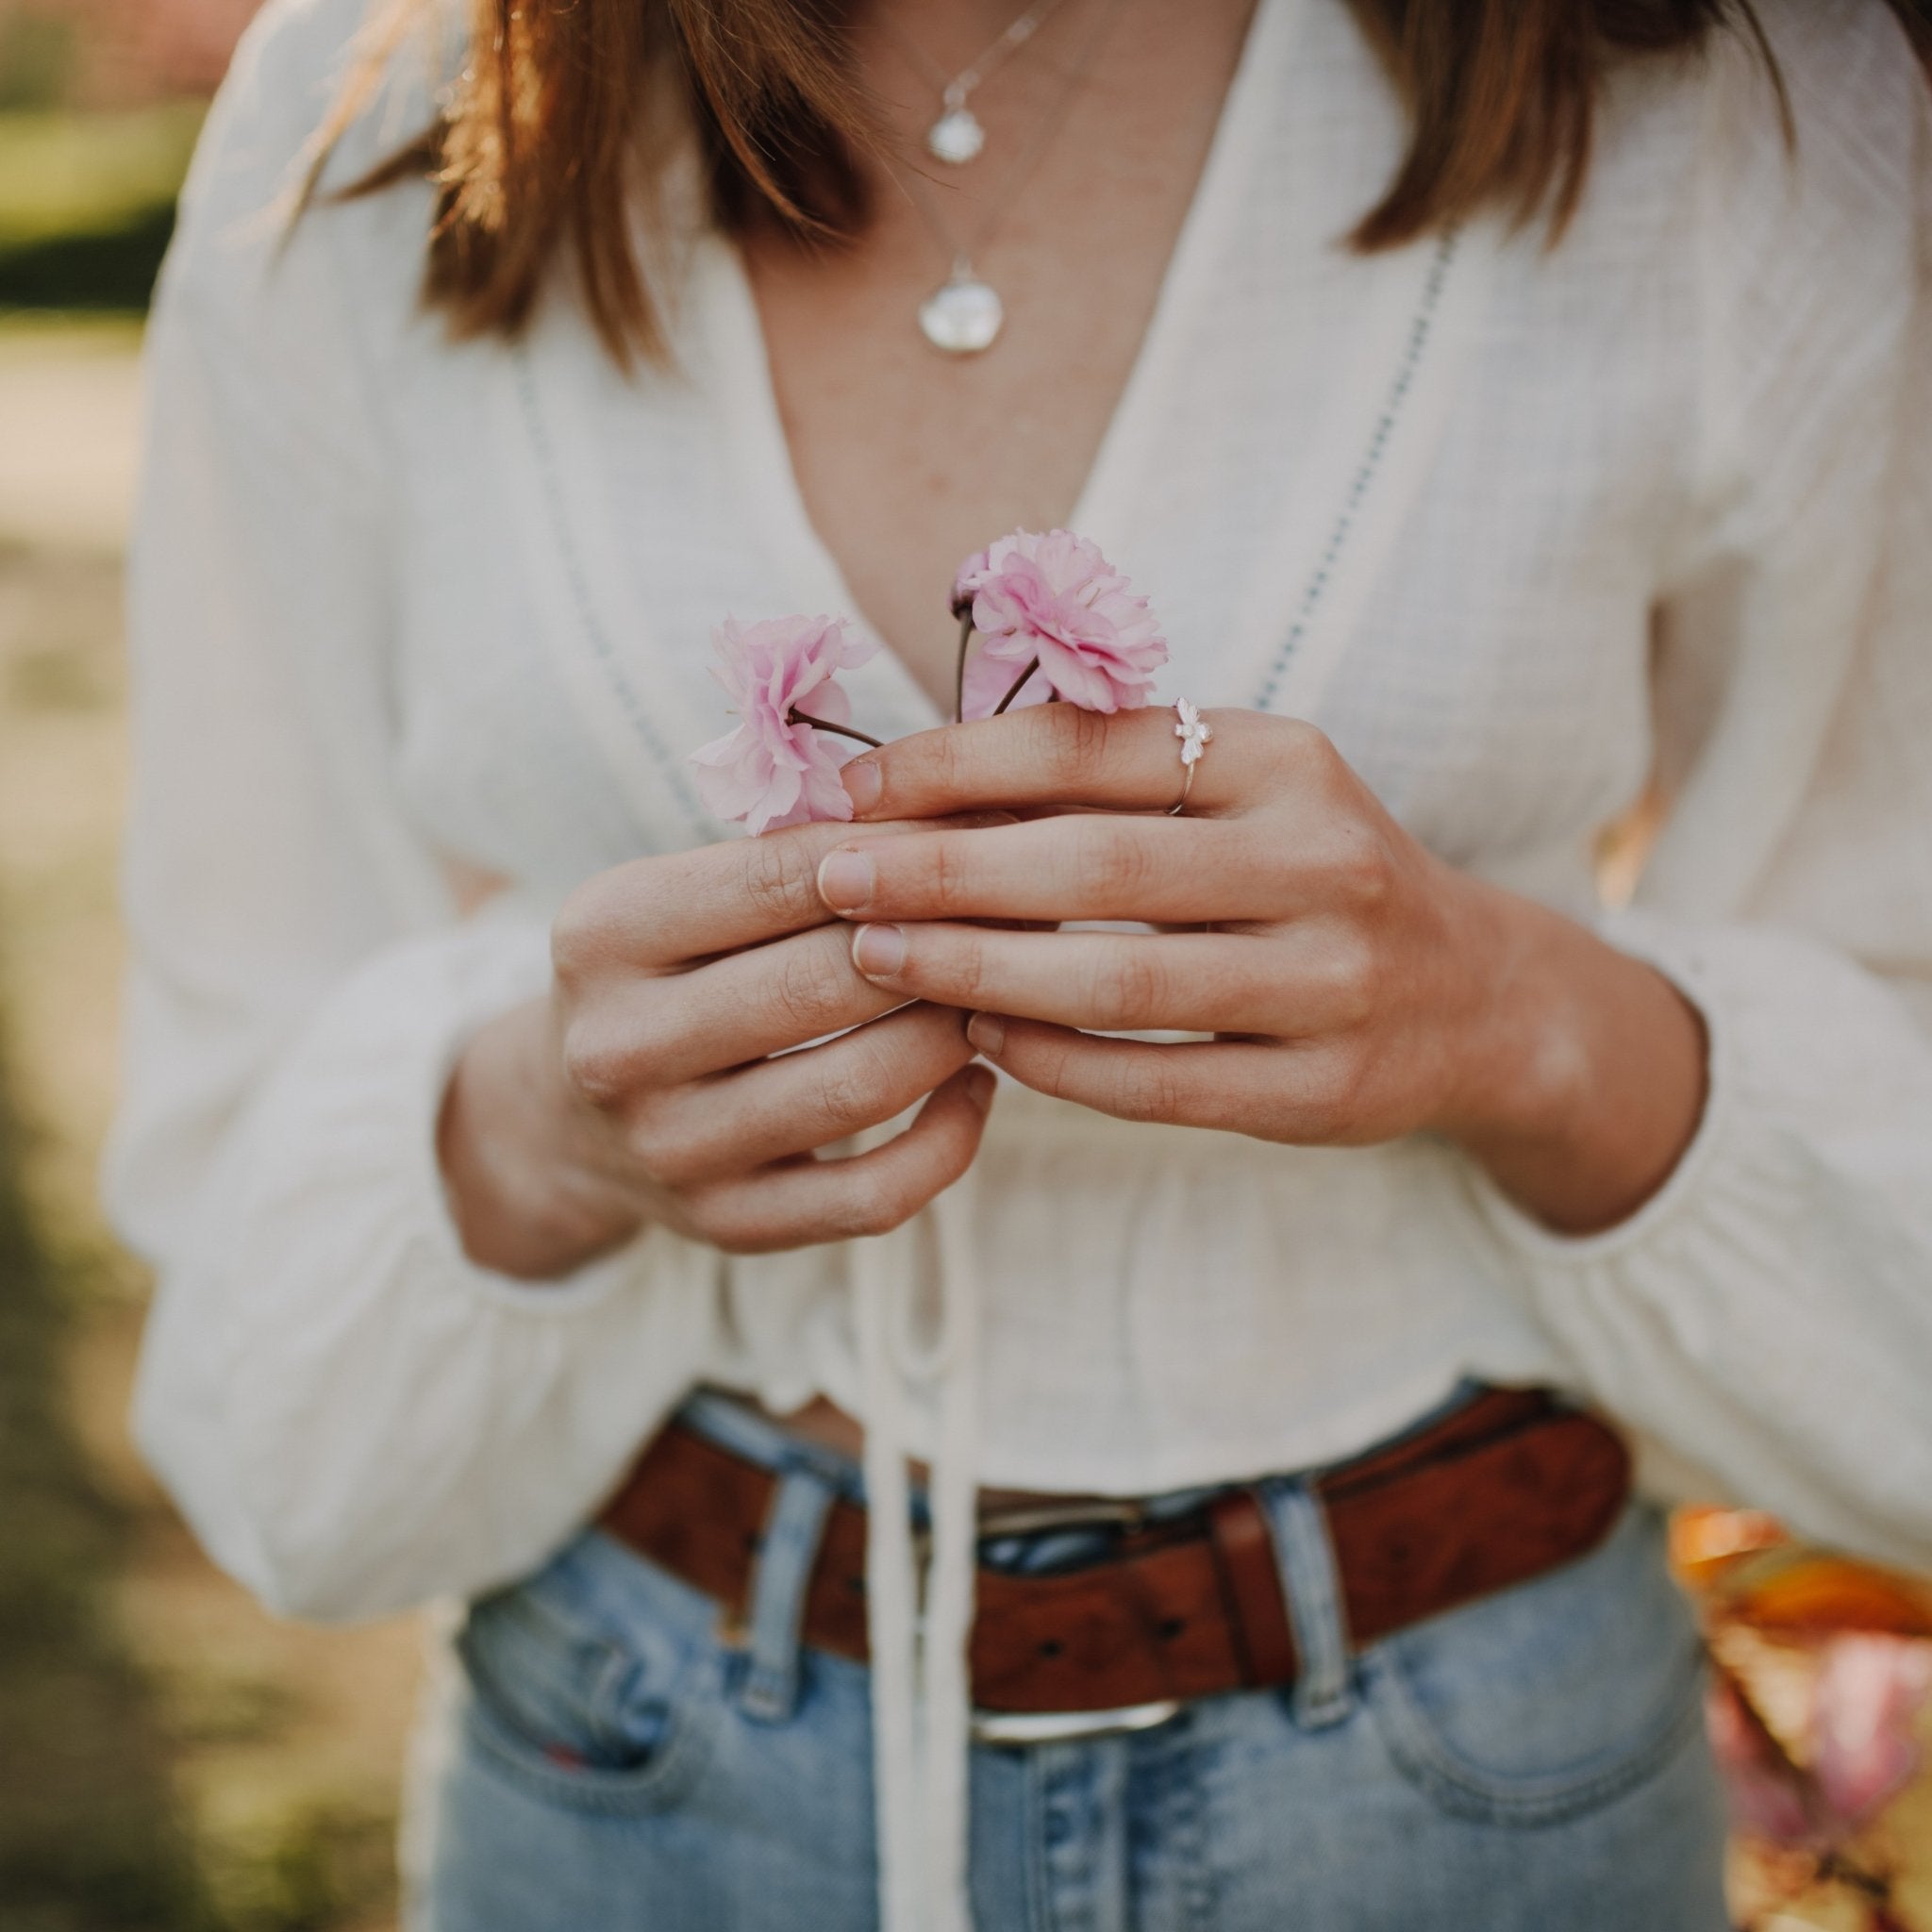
(86, 202)
(100, 101)
(171, 1758)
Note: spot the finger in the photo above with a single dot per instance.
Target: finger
(1099, 865)
(801, 1101)
(810, 1200)
(1061, 754)
(661, 1032)
(664, 911)
(1112, 982)
(1222, 1084)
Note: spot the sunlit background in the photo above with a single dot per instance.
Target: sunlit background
(171, 1760)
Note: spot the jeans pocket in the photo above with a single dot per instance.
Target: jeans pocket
(1547, 1701)
(584, 1699)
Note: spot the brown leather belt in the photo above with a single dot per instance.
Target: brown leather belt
(1504, 1489)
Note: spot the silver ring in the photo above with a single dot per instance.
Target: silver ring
(1194, 733)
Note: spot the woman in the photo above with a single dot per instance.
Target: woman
(479, 1080)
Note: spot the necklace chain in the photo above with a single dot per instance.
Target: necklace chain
(962, 252)
(954, 89)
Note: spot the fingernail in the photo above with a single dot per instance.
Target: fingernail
(987, 1032)
(979, 1086)
(878, 951)
(845, 880)
(863, 783)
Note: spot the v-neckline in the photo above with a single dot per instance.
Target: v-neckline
(1326, 529)
(755, 427)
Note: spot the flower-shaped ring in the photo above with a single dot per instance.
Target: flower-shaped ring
(1194, 733)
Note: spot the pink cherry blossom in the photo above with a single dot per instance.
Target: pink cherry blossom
(1058, 599)
(966, 582)
(770, 769)
(990, 678)
(1868, 1693)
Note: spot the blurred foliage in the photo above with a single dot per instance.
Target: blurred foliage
(306, 1870)
(228, 1773)
(90, 1836)
(40, 56)
(1821, 1669)
(86, 203)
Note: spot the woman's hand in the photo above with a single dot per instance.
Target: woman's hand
(1358, 989)
(643, 1088)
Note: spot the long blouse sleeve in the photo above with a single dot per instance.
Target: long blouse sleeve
(1767, 1318)
(353, 1415)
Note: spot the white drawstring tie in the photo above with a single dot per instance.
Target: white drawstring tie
(921, 1683)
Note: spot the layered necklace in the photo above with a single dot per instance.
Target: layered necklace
(957, 137)
(964, 314)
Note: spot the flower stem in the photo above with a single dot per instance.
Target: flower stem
(959, 674)
(794, 716)
(1019, 684)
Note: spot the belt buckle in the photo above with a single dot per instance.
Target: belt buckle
(1012, 1727)
(1022, 1727)
(1093, 1512)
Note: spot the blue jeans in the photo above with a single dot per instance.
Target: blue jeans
(1532, 1762)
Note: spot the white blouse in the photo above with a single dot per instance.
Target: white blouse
(1523, 529)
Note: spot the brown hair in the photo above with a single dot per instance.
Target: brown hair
(544, 142)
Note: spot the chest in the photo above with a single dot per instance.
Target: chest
(1341, 482)
(907, 457)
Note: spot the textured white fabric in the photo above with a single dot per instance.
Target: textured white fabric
(1516, 527)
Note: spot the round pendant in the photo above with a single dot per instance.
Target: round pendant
(962, 317)
(955, 137)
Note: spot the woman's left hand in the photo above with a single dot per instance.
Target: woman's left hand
(1358, 989)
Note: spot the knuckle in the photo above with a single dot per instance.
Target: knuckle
(949, 963)
(808, 987)
(856, 1094)
(1114, 859)
(1128, 984)
(1329, 773)
(872, 1202)
(1151, 1091)
(947, 874)
(711, 1218)
(580, 934)
(1363, 868)
(1075, 741)
(600, 1065)
(977, 972)
(941, 769)
(1307, 743)
(962, 972)
(1051, 1071)
(666, 1149)
(780, 879)
(1350, 974)
(1332, 1086)
(1060, 1072)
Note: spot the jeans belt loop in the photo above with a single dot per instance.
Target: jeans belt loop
(1324, 1691)
(787, 1552)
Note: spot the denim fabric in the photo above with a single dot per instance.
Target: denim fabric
(1532, 1761)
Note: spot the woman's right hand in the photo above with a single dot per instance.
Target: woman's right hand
(644, 1087)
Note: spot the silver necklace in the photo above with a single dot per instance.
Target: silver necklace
(964, 314)
(958, 136)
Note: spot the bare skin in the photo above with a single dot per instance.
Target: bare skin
(909, 460)
(1370, 990)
